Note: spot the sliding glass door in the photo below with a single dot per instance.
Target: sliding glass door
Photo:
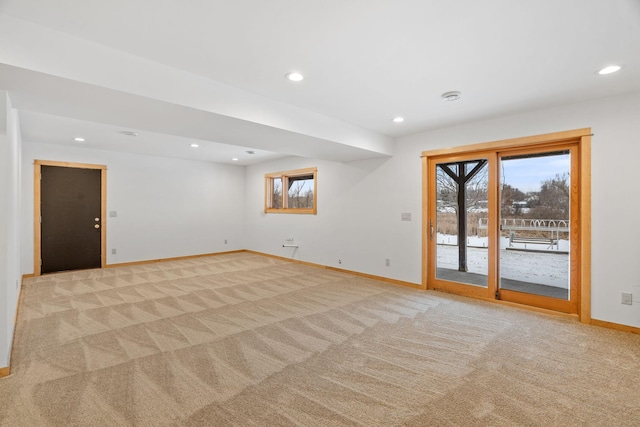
(504, 224)
(535, 207)
(462, 199)
(459, 233)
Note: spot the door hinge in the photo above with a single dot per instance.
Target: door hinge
(40, 220)
(40, 262)
(497, 294)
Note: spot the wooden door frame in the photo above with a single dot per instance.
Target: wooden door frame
(581, 137)
(37, 231)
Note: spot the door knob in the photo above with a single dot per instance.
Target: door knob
(96, 226)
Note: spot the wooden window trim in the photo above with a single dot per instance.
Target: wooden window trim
(284, 176)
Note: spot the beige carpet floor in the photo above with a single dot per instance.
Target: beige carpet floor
(247, 340)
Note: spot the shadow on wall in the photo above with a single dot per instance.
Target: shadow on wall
(370, 164)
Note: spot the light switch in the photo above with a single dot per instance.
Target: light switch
(113, 214)
(406, 216)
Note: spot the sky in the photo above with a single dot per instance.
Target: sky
(526, 174)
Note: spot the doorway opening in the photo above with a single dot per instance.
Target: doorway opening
(510, 220)
(69, 212)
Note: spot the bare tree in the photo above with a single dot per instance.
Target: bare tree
(297, 197)
(447, 188)
(554, 198)
(509, 200)
(308, 199)
(276, 201)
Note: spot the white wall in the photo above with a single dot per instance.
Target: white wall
(165, 207)
(9, 223)
(359, 205)
(358, 220)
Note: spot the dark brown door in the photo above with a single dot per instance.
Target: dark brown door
(70, 203)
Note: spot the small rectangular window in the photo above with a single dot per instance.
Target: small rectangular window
(291, 191)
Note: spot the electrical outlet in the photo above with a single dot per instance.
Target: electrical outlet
(339, 261)
(225, 241)
(114, 251)
(627, 298)
(387, 262)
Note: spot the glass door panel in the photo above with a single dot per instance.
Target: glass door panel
(534, 224)
(461, 227)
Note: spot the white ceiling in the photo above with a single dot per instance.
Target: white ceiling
(54, 129)
(364, 61)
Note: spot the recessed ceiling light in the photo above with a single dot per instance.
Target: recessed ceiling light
(251, 152)
(610, 69)
(398, 119)
(79, 139)
(194, 145)
(451, 96)
(235, 159)
(294, 76)
(129, 133)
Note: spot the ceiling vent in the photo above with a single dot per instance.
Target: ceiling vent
(451, 96)
(129, 133)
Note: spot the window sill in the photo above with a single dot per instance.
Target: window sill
(292, 211)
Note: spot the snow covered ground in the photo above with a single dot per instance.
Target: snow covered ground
(546, 268)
